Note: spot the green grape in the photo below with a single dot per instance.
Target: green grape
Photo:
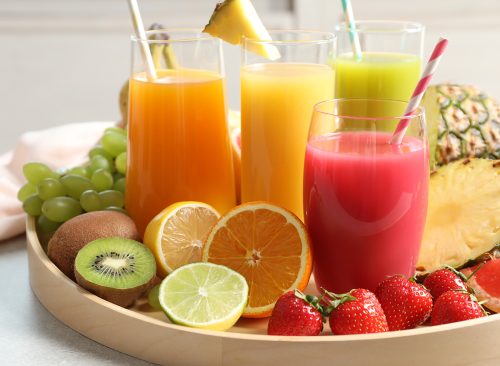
(61, 209)
(119, 185)
(50, 187)
(33, 205)
(121, 163)
(153, 297)
(35, 172)
(114, 143)
(75, 185)
(98, 150)
(46, 225)
(82, 171)
(116, 209)
(117, 176)
(100, 162)
(119, 130)
(27, 190)
(112, 198)
(102, 180)
(90, 201)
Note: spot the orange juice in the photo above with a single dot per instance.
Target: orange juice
(277, 102)
(179, 147)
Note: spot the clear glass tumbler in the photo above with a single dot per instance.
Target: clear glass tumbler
(388, 66)
(277, 97)
(365, 200)
(179, 148)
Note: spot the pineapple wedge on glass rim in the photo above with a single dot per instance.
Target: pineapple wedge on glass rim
(463, 217)
(234, 19)
(462, 122)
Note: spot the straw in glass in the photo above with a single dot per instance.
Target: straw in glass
(419, 91)
(141, 35)
(351, 27)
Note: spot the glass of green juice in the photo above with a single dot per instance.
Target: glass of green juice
(388, 67)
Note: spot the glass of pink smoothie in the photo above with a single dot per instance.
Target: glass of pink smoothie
(365, 200)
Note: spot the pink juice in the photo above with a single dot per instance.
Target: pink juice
(365, 205)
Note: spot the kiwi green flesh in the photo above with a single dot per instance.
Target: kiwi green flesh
(116, 269)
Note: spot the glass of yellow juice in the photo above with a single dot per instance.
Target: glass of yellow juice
(179, 148)
(388, 67)
(277, 99)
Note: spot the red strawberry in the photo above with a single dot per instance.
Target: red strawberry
(357, 312)
(444, 280)
(455, 306)
(296, 314)
(406, 304)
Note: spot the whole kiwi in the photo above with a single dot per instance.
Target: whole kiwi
(74, 234)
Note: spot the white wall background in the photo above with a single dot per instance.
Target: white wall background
(64, 60)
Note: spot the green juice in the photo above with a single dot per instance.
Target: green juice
(377, 75)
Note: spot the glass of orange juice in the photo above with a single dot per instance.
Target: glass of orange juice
(179, 148)
(277, 99)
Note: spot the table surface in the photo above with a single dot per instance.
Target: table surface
(29, 334)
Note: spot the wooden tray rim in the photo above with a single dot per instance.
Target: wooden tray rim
(34, 243)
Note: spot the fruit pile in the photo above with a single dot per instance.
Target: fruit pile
(397, 304)
(207, 270)
(57, 196)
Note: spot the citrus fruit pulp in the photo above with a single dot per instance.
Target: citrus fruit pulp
(204, 295)
(176, 234)
(268, 245)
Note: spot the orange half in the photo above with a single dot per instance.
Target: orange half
(268, 245)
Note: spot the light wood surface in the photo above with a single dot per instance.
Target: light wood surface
(151, 337)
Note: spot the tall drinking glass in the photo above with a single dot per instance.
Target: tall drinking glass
(277, 98)
(365, 200)
(179, 147)
(389, 65)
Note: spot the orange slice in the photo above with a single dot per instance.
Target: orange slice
(268, 245)
(176, 235)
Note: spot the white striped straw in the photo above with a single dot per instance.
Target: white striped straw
(419, 91)
(141, 35)
(351, 27)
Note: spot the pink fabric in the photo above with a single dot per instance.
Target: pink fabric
(58, 147)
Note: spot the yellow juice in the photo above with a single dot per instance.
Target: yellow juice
(178, 143)
(276, 107)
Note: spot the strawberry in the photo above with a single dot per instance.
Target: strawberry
(455, 306)
(296, 314)
(444, 280)
(357, 312)
(406, 304)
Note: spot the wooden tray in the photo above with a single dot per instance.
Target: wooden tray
(149, 335)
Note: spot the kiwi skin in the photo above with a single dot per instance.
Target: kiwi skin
(74, 234)
(124, 297)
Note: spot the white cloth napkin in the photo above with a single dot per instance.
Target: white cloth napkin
(58, 147)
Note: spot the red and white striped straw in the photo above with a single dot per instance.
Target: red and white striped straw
(424, 81)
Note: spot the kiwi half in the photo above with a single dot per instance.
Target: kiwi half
(116, 269)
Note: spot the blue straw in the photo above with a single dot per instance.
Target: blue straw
(351, 27)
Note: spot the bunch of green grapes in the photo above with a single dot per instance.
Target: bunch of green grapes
(57, 196)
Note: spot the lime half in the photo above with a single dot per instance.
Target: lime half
(204, 295)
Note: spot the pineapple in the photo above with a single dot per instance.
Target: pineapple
(463, 218)
(234, 19)
(462, 122)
